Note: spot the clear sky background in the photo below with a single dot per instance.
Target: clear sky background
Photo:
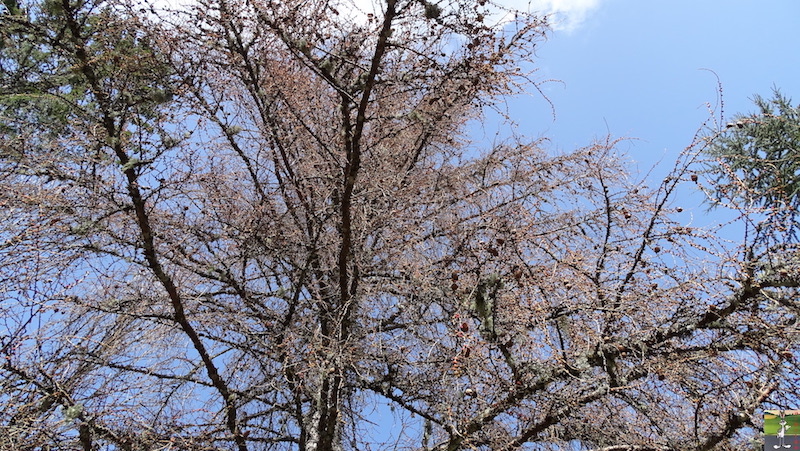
(632, 68)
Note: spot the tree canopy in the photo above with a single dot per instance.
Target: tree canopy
(757, 161)
(263, 225)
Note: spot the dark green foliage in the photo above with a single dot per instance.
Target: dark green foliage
(11, 6)
(44, 81)
(757, 159)
(432, 11)
(34, 87)
(69, 70)
(484, 303)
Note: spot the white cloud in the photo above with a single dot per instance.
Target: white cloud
(566, 14)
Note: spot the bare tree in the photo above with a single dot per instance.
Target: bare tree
(251, 224)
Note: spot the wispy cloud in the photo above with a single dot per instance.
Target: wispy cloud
(566, 14)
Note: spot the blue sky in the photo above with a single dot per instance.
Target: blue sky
(633, 68)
